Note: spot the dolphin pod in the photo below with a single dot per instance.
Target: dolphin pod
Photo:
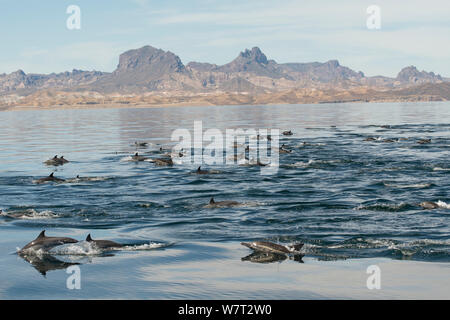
(55, 161)
(42, 242)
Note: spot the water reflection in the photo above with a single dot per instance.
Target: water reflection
(45, 263)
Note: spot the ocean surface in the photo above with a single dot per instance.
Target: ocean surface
(346, 198)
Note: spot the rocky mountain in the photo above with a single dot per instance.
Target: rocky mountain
(412, 75)
(149, 69)
(21, 82)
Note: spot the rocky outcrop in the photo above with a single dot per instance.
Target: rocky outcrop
(412, 75)
(21, 82)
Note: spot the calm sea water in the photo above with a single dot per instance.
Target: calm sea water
(342, 196)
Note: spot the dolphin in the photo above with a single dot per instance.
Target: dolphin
(424, 141)
(287, 133)
(370, 139)
(137, 157)
(283, 150)
(200, 171)
(103, 244)
(252, 163)
(164, 161)
(50, 178)
(141, 144)
(270, 247)
(53, 161)
(62, 160)
(220, 204)
(429, 205)
(46, 243)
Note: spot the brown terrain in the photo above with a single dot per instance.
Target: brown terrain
(148, 77)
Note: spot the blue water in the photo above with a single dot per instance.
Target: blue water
(342, 196)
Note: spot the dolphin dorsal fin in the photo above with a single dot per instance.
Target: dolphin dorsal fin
(136, 154)
(212, 200)
(88, 238)
(41, 235)
(199, 168)
(51, 174)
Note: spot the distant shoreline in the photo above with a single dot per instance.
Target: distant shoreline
(193, 104)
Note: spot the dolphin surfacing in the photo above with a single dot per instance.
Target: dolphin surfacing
(50, 178)
(46, 243)
(138, 158)
(103, 244)
(200, 171)
(270, 247)
(222, 204)
(55, 161)
(429, 205)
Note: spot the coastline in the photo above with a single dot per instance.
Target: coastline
(191, 104)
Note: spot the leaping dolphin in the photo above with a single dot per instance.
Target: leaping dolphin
(103, 244)
(46, 243)
(270, 247)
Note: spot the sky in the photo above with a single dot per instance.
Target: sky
(35, 37)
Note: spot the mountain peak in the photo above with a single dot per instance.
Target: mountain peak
(146, 57)
(254, 55)
(333, 63)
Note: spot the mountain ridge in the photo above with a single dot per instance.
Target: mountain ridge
(149, 70)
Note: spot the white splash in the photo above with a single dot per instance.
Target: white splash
(441, 169)
(145, 246)
(442, 204)
(30, 214)
(82, 248)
